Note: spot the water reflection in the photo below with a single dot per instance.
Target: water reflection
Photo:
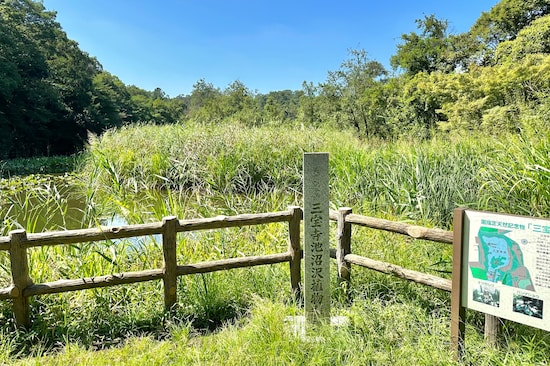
(44, 208)
(135, 242)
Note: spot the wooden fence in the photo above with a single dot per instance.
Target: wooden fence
(23, 288)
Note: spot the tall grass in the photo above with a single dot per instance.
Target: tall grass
(421, 182)
(143, 173)
(228, 159)
(518, 178)
(399, 334)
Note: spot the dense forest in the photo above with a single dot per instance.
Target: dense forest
(494, 78)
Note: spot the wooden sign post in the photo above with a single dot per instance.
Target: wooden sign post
(316, 238)
(458, 311)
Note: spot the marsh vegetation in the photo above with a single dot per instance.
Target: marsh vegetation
(462, 120)
(143, 173)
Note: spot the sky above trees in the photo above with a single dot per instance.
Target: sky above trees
(266, 45)
(493, 78)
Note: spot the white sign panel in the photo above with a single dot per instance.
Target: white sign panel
(506, 269)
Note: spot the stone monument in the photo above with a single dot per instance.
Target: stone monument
(316, 238)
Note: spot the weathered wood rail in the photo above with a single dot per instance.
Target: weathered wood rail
(346, 218)
(22, 288)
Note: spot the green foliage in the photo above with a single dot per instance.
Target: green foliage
(533, 39)
(203, 103)
(488, 99)
(111, 103)
(519, 181)
(40, 202)
(23, 71)
(424, 52)
(280, 106)
(40, 165)
(391, 320)
(224, 159)
(209, 105)
(355, 94)
(506, 19)
(487, 119)
(379, 333)
(422, 183)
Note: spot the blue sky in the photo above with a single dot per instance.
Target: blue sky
(267, 45)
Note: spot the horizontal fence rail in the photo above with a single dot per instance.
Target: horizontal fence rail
(345, 217)
(22, 287)
(416, 232)
(150, 275)
(407, 274)
(129, 231)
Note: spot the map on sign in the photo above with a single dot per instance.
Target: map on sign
(500, 260)
(506, 267)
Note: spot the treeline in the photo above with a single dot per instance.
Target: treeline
(52, 94)
(494, 78)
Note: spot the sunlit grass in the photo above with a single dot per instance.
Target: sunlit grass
(380, 332)
(142, 174)
(421, 182)
(518, 181)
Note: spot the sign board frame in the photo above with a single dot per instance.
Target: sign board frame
(501, 267)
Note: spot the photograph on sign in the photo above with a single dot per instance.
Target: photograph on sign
(507, 266)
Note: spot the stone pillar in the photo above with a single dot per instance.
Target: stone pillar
(316, 238)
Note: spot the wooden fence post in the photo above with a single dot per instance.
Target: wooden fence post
(170, 274)
(294, 249)
(20, 277)
(344, 248)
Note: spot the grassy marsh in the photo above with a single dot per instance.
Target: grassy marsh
(147, 172)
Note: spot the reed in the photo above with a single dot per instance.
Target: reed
(417, 181)
(143, 173)
(518, 178)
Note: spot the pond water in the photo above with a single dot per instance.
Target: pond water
(38, 211)
(136, 242)
(65, 205)
(50, 208)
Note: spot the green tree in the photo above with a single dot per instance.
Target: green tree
(111, 103)
(533, 39)
(141, 104)
(166, 110)
(154, 107)
(204, 103)
(350, 87)
(309, 109)
(237, 99)
(48, 81)
(281, 106)
(428, 51)
(28, 102)
(490, 99)
(503, 23)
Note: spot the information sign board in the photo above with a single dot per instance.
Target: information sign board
(506, 267)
